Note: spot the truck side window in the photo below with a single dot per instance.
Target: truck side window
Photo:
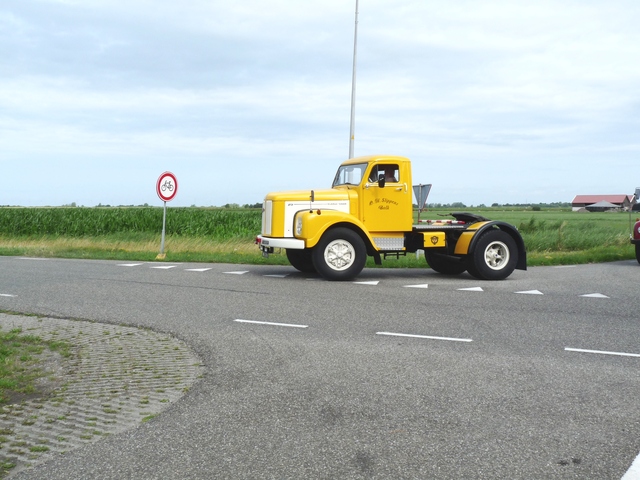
(390, 172)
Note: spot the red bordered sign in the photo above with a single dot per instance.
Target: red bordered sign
(167, 186)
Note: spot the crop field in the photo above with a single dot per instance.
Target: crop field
(82, 222)
(552, 237)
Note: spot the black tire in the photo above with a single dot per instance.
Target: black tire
(339, 255)
(301, 260)
(441, 264)
(494, 256)
(638, 252)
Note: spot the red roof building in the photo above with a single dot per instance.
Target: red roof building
(624, 202)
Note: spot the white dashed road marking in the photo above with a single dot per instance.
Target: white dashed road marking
(429, 337)
(6, 295)
(271, 323)
(602, 352)
(634, 470)
(370, 282)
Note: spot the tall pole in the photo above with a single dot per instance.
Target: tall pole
(353, 86)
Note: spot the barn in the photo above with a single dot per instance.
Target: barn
(621, 202)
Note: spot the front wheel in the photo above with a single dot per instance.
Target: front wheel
(638, 252)
(301, 260)
(339, 255)
(494, 257)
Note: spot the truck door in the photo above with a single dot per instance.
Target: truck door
(387, 208)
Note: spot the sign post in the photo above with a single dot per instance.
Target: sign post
(421, 192)
(166, 188)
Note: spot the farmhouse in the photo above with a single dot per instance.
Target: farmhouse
(599, 203)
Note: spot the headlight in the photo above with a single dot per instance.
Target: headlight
(299, 226)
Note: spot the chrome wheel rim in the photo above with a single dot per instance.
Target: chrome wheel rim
(496, 255)
(339, 255)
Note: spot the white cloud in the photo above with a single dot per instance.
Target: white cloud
(544, 93)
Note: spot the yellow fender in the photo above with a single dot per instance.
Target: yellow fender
(467, 241)
(316, 222)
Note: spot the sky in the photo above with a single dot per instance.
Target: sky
(493, 101)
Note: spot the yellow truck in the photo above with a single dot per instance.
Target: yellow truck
(369, 212)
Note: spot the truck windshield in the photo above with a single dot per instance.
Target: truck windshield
(349, 174)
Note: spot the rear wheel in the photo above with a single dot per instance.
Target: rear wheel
(301, 260)
(494, 257)
(444, 265)
(638, 252)
(339, 255)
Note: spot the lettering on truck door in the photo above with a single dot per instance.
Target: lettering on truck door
(388, 208)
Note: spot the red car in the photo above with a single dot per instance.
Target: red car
(635, 239)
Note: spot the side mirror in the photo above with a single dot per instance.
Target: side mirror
(381, 180)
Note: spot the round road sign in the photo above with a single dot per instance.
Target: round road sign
(167, 186)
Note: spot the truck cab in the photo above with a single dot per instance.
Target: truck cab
(382, 186)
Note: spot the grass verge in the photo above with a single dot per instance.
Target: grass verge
(180, 249)
(20, 363)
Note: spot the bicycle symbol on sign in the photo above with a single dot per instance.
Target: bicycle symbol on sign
(167, 185)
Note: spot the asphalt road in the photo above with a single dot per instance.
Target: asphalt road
(497, 380)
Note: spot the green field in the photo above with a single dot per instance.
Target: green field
(552, 237)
